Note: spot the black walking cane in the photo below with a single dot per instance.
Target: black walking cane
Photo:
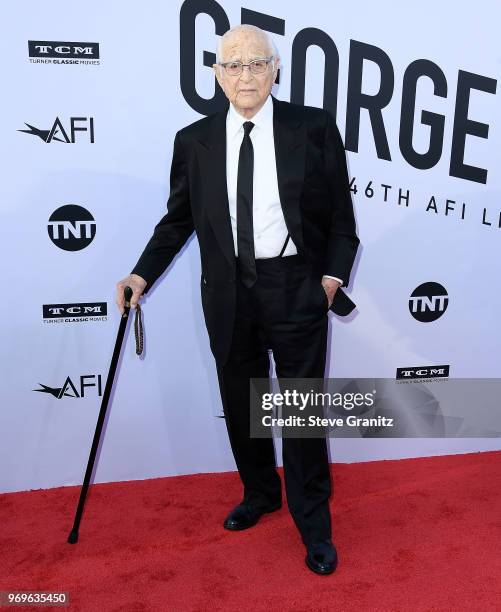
(73, 537)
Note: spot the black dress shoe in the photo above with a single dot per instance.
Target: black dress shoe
(322, 557)
(244, 516)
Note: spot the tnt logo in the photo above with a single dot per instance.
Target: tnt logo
(71, 227)
(428, 302)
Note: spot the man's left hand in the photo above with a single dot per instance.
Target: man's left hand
(330, 287)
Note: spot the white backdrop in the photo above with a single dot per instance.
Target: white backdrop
(129, 104)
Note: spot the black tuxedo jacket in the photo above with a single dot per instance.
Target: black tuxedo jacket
(314, 191)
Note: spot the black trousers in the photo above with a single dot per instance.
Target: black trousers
(286, 311)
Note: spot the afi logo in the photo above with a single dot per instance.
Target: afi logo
(70, 389)
(428, 302)
(71, 227)
(58, 133)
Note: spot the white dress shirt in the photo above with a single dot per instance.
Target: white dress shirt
(270, 230)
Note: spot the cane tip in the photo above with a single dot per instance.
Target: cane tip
(73, 537)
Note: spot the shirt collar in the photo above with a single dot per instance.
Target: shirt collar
(264, 116)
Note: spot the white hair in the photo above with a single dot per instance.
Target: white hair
(246, 27)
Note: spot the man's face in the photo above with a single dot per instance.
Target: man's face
(246, 91)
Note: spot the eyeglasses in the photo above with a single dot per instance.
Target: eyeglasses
(257, 66)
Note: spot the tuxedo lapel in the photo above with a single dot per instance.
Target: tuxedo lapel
(212, 164)
(290, 135)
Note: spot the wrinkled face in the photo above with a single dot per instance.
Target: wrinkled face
(246, 91)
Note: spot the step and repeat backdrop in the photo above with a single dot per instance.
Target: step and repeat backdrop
(92, 99)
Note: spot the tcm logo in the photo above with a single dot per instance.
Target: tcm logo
(63, 52)
(71, 227)
(78, 389)
(66, 313)
(413, 373)
(58, 133)
(428, 302)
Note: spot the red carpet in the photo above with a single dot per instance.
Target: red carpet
(420, 534)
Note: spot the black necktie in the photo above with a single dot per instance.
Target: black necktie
(245, 232)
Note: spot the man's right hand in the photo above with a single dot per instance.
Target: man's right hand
(136, 283)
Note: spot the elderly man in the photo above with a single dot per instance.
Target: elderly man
(264, 184)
